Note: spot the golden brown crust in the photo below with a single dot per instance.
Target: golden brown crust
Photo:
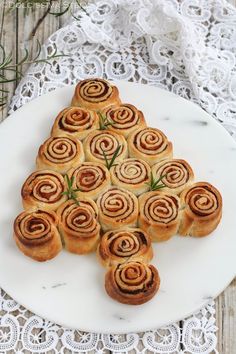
(117, 208)
(95, 94)
(60, 154)
(75, 121)
(105, 141)
(131, 174)
(78, 225)
(125, 118)
(119, 246)
(177, 173)
(43, 190)
(91, 178)
(36, 234)
(149, 144)
(201, 206)
(159, 215)
(132, 283)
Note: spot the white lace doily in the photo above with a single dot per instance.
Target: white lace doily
(187, 47)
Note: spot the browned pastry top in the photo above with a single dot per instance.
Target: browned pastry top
(124, 116)
(73, 119)
(132, 283)
(203, 199)
(95, 90)
(44, 186)
(124, 244)
(150, 141)
(117, 203)
(160, 207)
(35, 228)
(132, 171)
(79, 220)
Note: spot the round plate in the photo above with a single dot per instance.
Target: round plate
(69, 290)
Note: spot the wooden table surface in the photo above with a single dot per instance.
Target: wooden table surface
(16, 34)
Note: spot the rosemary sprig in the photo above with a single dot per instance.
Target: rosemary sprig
(110, 163)
(154, 184)
(12, 72)
(70, 192)
(103, 121)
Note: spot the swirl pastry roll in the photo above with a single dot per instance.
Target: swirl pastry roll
(75, 121)
(159, 215)
(117, 208)
(43, 190)
(120, 245)
(201, 206)
(36, 234)
(78, 225)
(125, 118)
(90, 179)
(132, 174)
(132, 283)
(177, 173)
(60, 154)
(149, 144)
(105, 142)
(95, 94)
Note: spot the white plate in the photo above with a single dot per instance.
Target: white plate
(69, 289)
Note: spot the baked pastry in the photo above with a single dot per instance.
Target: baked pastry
(90, 179)
(120, 246)
(132, 283)
(43, 190)
(78, 225)
(201, 209)
(60, 154)
(159, 214)
(117, 208)
(125, 118)
(36, 234)
(105, 142)
(177, 175)
(132, 174)
(95, 94)
(149, 144)
(75, 121)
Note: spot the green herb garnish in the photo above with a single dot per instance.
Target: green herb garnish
(155, 184)
(70, 192)
(12, 72)
(110, 163)
(104, 122)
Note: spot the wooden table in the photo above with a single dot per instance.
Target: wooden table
(17, 31)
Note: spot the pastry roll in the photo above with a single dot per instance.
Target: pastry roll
(132, 174)
(60, 154)
(201, 209)
(159, 215)
(132, 283)
(117, 208)
(95, 94)
(43, 190)
(75, 121)
(125, 118)
(36, 234)
(149, 144)
(78, 225)
(119, 246)
(90, 179)
(177, 173)
(105, 142)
